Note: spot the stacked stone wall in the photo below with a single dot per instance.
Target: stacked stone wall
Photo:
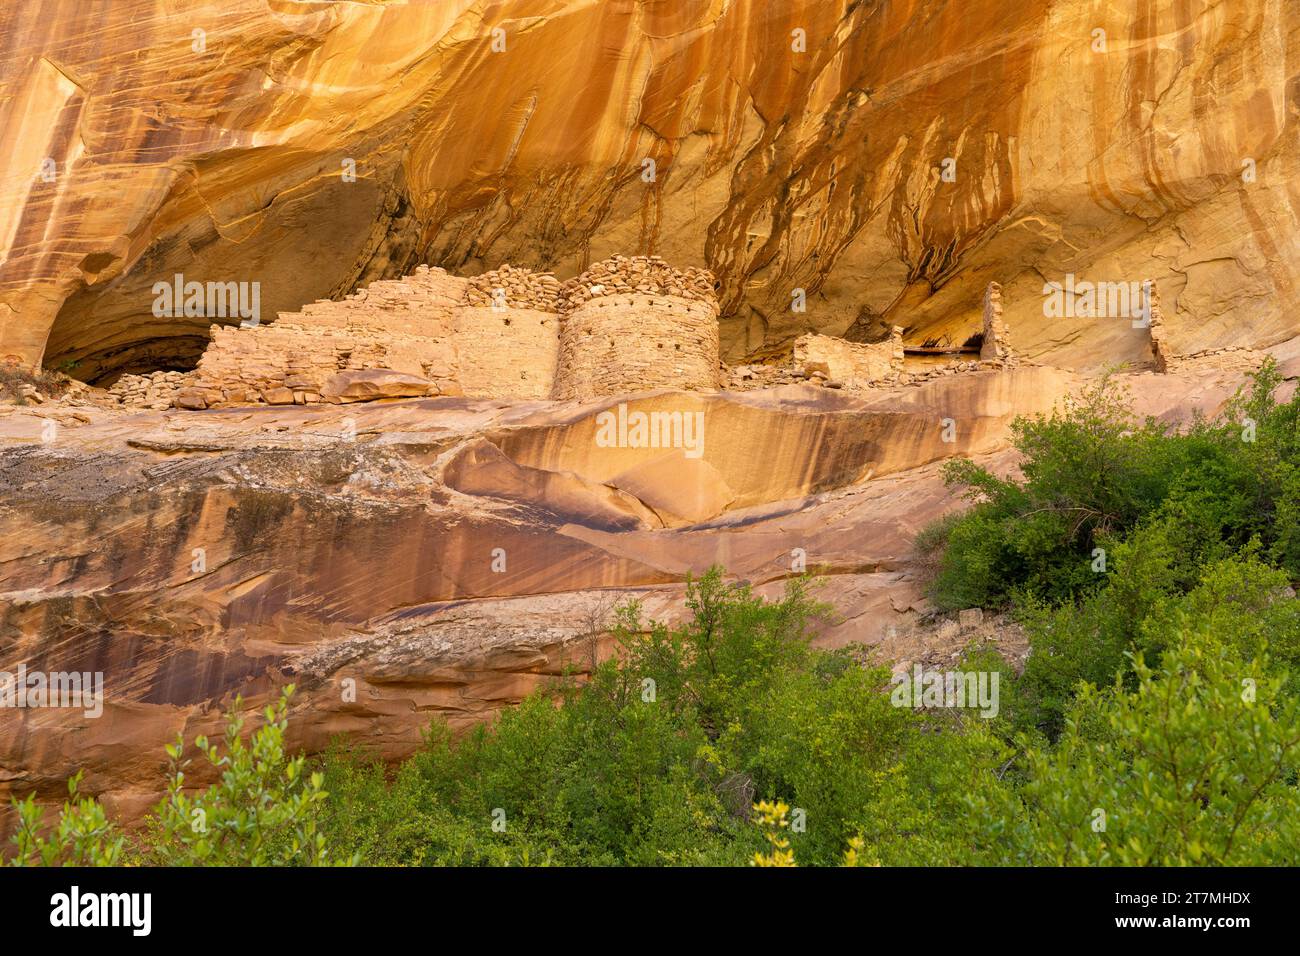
(646, 275)
(156, 390)
(1161, 354)
(508, 334)
(513, 288)
(627, 324)
(852, 363)
(634, 323)
(407, 325)
(510, 352)
(996, 345)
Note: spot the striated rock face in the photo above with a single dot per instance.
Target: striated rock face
(445, 556)
(888, 159)
(830, 179)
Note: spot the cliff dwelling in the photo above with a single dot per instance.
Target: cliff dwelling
(552, 431)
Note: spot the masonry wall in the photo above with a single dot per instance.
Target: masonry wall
(628, 324)
(1161, 353)
(616, 344)
(507, 352)
(266, 364)
(423, 325)
(406, 324)
(155, 390)
(634, 323)
(996, 342)
(851, 362)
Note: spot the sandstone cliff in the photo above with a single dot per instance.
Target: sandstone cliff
(444, 556)
(889, 159)
(854, 190)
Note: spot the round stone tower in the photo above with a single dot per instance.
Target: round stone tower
(632, 324)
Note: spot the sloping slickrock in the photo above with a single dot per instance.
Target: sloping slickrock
(444, 556)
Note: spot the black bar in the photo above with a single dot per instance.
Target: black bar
(368, 906)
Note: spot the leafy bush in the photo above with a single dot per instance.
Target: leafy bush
(262, 812)
(1190, 754)
(1092, 473)
(82, 836)
(1194, 765)
(658, 759)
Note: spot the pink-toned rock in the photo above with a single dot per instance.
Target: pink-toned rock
(368, 384)
(191, 398)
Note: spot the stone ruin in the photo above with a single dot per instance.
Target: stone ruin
(157, 390)
(632, 324)
(837, 363)
(1163, 355)
(515, 288)
(507, 337)
(996, 345)
(1155, 316)
(627, 324)
(850, 363)
(406, 325)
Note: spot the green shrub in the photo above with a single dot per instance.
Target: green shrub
(82, 835)
(658, 758)
(264, 811)
(1194, 765)
(1091, 473)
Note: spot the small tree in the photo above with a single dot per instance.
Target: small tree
(262, 812)
(83, 835)
(1194, 766)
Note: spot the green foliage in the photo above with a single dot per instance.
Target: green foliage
(624, 770)
(659, 757)
(82, 836)
(401, 822)
(1087, 640)
(264, 811)
(1195, 765)
(1091, 474)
